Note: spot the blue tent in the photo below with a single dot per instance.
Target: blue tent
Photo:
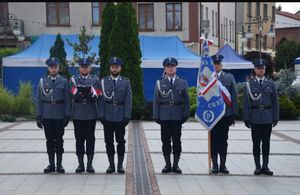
(29, 64)
(234, 63)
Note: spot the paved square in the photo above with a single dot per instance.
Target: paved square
(23, 158)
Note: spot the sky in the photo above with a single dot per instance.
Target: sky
(291, 7)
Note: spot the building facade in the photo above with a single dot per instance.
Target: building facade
(244, 14)
(183, 19)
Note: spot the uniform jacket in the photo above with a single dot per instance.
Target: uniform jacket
(266, 98)
(87, 111)
(178, 93)
(49, 91)
(228, 81)
(117, 99)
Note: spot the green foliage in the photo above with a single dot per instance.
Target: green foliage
(286, 52)
(9, 51)
(21, 105)
(108, 17)
(58, 50)
(252, 55)
(148, 111)
(83, 48)
(284, 83)
(124, 43)
(288, 110)
(193, 100)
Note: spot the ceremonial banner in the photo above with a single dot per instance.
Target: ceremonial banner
(210, 102)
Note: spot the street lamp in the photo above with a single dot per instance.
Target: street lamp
(259, 20)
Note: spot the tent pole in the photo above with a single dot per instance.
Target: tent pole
(209, 152)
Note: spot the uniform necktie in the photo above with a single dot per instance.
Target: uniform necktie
(115, 82)
(260, 82)
(171, 80)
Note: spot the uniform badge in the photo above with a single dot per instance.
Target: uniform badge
(255, 94)
(47, 90)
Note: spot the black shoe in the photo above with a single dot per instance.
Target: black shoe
(214, 169)
(111, 167)
(51, 167)
(167, 168)
(223, 168)
(265, 169)
(89, 167)
(80, 167)
(121, 169)
(59, 167)
(257, 170)
(176, 168)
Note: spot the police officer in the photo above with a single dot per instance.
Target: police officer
(171, 109)
(261, 113)
(115, 112)
(53, 112)
(219, 133)
(86, 93)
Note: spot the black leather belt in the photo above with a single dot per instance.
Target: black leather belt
(85, 101)
(171, 103)
(53, 101)
(261, 107)
(114, 102)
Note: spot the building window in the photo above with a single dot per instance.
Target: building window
(257, 41)
(233, 32)
(202, 12)
(226, 29)
(146, 17)
(58, 14)
(3, 10)
(97, 9)
(174, 16)
(206, 13)
(265, 10)
(222, 36)
(257, 9)
(249, 44)
(217, 24)
(265, 42)
(249, 13)
(230, 30)
(273, 13)
(213, 22)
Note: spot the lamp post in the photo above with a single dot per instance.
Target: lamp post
(259, 20)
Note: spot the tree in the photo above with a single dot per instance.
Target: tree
(252, 55)
(124, 43)
(83, 48)
(58, 50)
(286, 52)
(279, 8)
(108, 17)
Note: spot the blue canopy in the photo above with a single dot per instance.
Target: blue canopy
(154, 49)
(232, 60)
(297, 61)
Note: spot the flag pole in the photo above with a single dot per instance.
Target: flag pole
(209, 151)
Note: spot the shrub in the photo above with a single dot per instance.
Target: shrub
(193, 100)
(287, 108)
(21, 105)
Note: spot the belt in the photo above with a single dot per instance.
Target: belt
(171, 103)
(114, 102)
(85, 101)
(53, 101)
(261, 107)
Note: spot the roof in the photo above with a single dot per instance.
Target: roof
(288, 14)
(154, 49)
(232, 60)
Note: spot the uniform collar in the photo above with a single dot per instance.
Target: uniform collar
(220, 73)
(53, 78)
(84, 77)
(115, 78)
(263, 78)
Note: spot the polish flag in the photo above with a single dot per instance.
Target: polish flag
(74, 90)
(96, 92)
(225, 94)
(210, 42)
